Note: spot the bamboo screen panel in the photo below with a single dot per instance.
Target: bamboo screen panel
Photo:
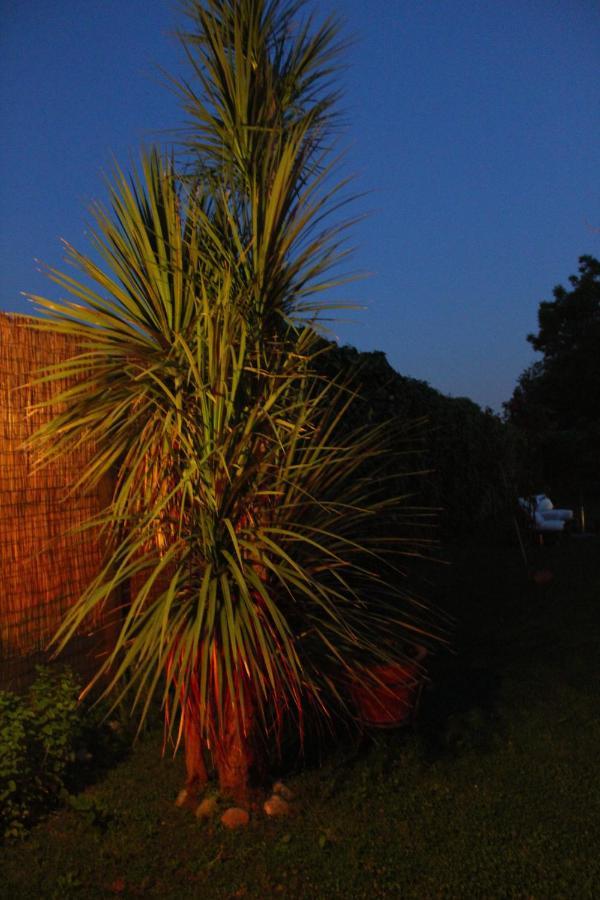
(43, 568)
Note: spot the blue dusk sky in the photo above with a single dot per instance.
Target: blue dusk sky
(471, 128)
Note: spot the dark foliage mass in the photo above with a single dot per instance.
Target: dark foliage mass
(50, 745)
(469, 456)
(556, 403)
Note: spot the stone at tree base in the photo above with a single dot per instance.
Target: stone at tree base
(207, 808)
(283, 791)
(189, 796)
(234, 817)
(182, 797)
(276, 806)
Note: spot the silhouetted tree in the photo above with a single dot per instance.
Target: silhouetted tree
(557, 400)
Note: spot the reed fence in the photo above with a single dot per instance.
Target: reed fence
(44, 565)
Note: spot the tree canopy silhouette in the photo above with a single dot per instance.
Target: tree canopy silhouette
(557, 400)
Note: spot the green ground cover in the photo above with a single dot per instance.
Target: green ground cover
(494, 793)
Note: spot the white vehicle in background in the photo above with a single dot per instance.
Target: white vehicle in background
(544, 518)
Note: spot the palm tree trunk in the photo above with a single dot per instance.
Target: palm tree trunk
(195, 764)
(234, 754)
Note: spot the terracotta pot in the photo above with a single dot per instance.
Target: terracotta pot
(390, 698)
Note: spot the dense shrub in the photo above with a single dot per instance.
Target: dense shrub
(471, 457)
(38, 737)
(49, 744)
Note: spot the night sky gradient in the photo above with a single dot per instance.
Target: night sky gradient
(472, 129)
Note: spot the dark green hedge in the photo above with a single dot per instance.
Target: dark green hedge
(472, 456)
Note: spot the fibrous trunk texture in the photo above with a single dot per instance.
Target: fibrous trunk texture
(235, 756)
(195, 764)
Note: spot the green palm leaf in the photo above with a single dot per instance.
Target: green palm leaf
(264, 563)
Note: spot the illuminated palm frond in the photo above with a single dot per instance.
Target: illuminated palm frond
(264, 561)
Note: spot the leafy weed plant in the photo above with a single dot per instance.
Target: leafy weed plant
(51, 746)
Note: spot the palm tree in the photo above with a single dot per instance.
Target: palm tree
(266, 576)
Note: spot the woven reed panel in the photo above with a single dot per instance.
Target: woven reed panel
(43, 567)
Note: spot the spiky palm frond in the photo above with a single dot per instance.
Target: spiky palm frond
(260, 125)
(264, 561)
(245, 523)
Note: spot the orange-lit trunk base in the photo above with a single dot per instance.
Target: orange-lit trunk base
(232, 752)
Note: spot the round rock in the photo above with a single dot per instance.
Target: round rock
(234, 817)
(207, 808)
(283, 791)
(182, 797)
(276, 806)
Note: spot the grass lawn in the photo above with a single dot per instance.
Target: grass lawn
(494, 793)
